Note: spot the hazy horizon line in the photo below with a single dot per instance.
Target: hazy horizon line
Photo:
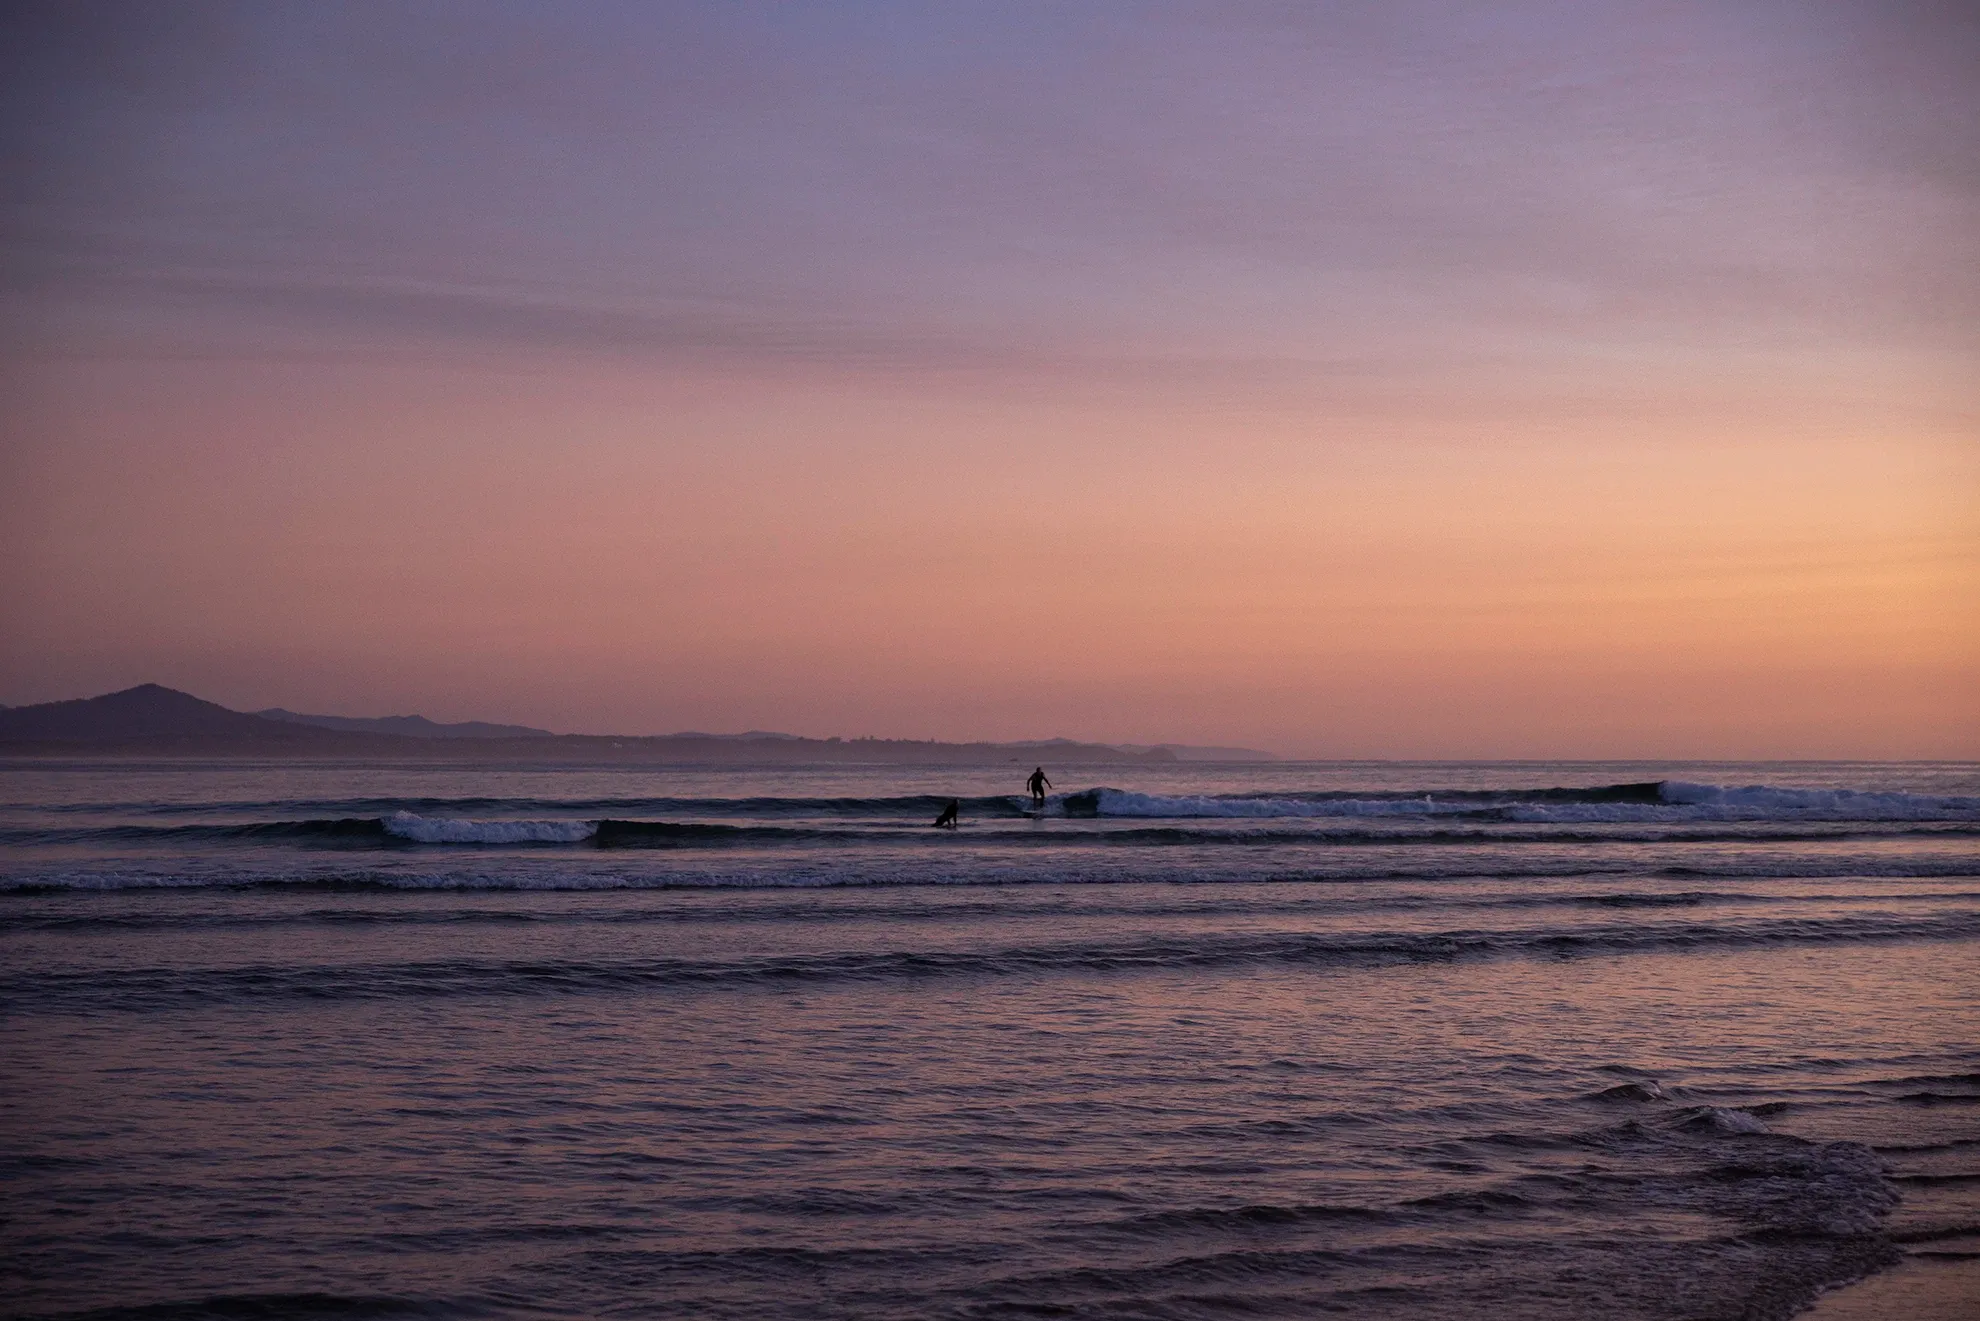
(1122, 745)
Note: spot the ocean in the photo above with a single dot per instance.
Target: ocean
(1196, 1040)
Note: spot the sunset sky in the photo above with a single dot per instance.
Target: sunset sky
(1508, 380)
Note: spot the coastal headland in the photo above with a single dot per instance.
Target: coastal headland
(154, 721)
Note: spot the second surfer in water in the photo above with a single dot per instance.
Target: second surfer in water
(1038, 784)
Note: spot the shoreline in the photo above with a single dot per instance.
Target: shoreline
(1936, 1284)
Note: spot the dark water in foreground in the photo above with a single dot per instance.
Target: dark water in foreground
(1280, 1041)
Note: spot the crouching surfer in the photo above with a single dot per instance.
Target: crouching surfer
(951, 815)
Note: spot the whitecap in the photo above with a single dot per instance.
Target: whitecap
(455, 830)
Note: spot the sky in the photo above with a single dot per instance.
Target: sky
(1415, 380)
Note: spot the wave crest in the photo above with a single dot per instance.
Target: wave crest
(1658, 801)
(455, 830)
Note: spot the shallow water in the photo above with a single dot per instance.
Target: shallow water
(1270, 1041)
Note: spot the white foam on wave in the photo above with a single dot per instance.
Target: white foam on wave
(1681, 802)
(1123, 802)
(1732, 1121)
(456, 830)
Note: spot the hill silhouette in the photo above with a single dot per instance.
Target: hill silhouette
(153, 716)
(152, 720)
(410, 726)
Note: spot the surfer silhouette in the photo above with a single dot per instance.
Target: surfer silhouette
(951, 815)
(1038, 784)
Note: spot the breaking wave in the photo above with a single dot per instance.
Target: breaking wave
(404, 829)
(1665, 800)
(1647, 800)
(450, 830)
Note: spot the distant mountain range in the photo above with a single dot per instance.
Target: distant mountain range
(410, 726)
(151, 716)
(151, 720)
(1188, 752)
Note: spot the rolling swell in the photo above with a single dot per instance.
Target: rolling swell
(141, 989)
(355, 829)
(273, 1307)
(1663, 800)
(853, 869)
(1664, 812)
(406, 828)
(1680, 800)
(760, 908)
(797, 1056)
(909, 805)
(1106, 801)
(1663, 829)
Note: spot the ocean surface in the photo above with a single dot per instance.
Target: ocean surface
(1196, 1041)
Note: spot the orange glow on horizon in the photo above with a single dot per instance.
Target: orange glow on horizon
(609, 549)
(1532, 381)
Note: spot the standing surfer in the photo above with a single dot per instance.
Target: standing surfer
(1038, 784)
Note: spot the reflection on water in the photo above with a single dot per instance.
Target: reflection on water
(1653, 1076)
